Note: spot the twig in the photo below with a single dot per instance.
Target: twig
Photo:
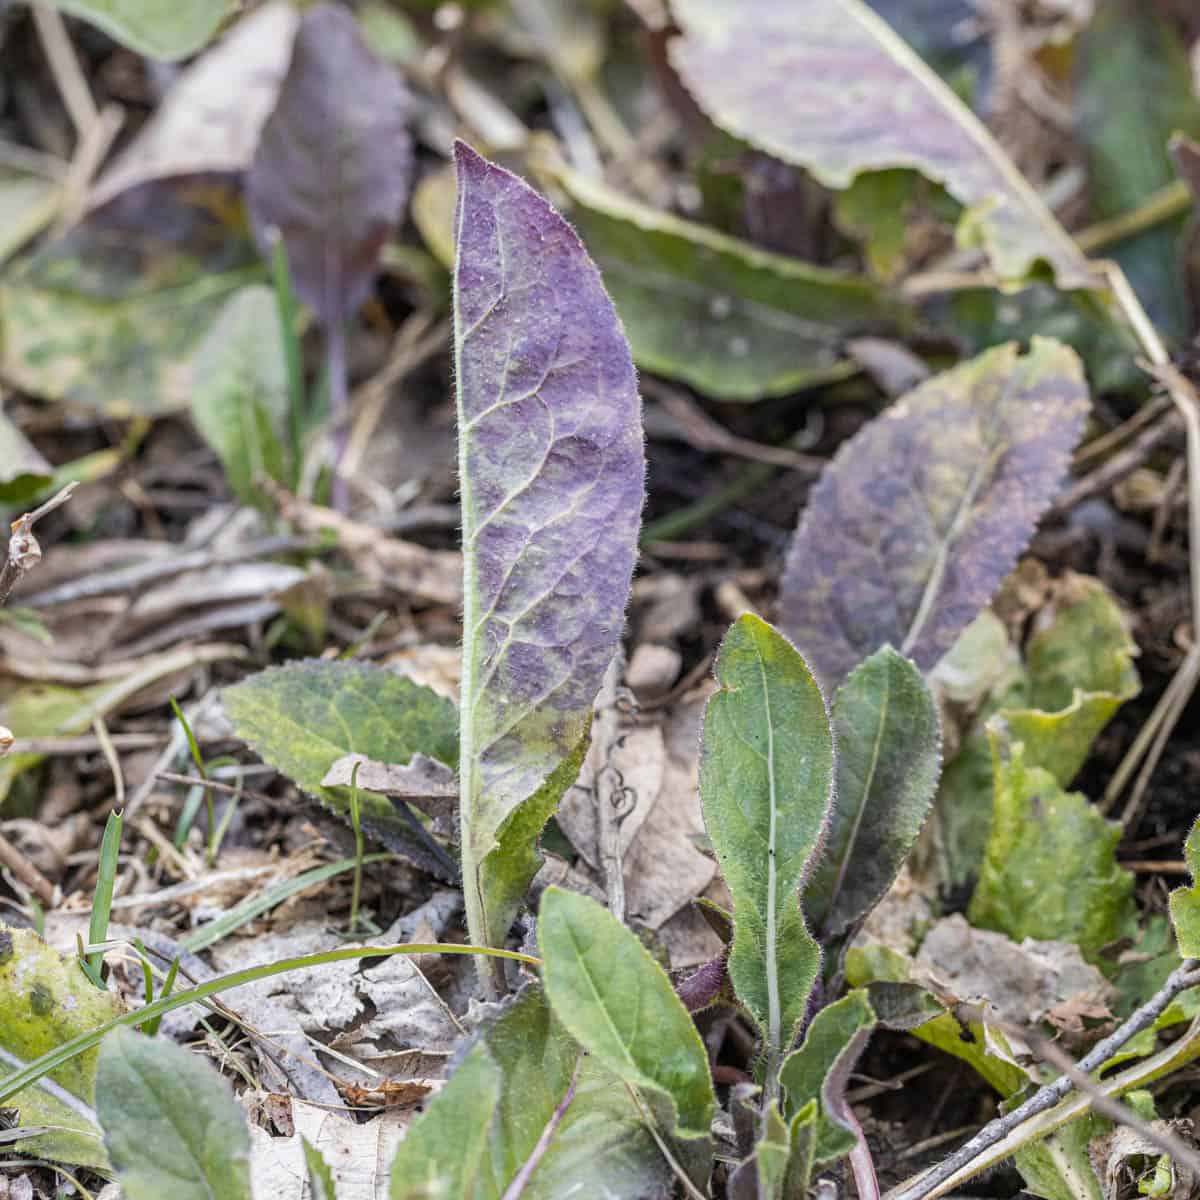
(24, 552)
(64, 66)
(27, 873)
(1185, 976)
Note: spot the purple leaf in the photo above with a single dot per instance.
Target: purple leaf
(332, 168)
(924, 511)
(552, 478)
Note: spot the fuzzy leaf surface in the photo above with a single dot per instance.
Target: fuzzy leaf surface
(333, 164)
(766, 779)
(922, 514)
(240, 398)
(819, 1069)
(171, 1124)
(808, 83)
(888, 739)
(1050, 870)
(301, 718)
(162, 29)
(1185, 901)
(617, 1002)
(45, 1000)
(551, 475)
(734, 321)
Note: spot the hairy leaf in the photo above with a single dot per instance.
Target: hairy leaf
(820, 1069)
(766, 776)
(888, 738)
(302, 717)
(830, 86)
(109, 314)
(1059, 1167)
(240, 397)
(45, 1000)
(780, 1166)
(171, 1124)
(922, 513)
(1185, 901)
(735, 321)
(332, 168)
(1134, 89)
(616, 1001)
(1049, 870)
(551, 474)
(163, 29)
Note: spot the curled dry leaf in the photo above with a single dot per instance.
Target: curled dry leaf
(430, 785)
(822, 85)
(922, 514)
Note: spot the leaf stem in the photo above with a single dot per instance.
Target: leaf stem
(339, 404)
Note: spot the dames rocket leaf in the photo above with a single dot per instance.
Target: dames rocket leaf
(552, 478)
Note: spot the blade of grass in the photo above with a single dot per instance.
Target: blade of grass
(106, 874)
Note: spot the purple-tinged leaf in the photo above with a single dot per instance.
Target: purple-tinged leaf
(333, 164)
(828, 85)
(551, 473)
(922, 513)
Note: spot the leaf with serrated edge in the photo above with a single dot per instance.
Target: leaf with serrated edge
(808, 83)
(1185, 901)
(1050, 870)
(162, 31)
(171, 1124)
(333, 163)
(888, 738)
(733, 320)
(766, 778)
(551, 475)
(921, 515)
(617, 1002)
(818, 1070)
(301, 718)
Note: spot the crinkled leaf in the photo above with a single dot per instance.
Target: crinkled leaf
(1134, 88)
(109, 314)
(332, 168)
(735, 321)
(1049, 870)
(617, 1002)
(552, 483)
(888, 738)
(301, 718)
(23, 471)
(1078, 671)
(819, 1070)
(45, 1000)
(766, 777)
(1185, 901)
(240, 396)
(830, 86)
(922, 513)
(163, 29)
(171, 1124)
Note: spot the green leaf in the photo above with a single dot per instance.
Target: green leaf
(240, 398)
(1049, 870)
(911, 556)
(766, 778)
(1058, 1167)
(23, 471)
(552, 475)
(819, 1069)
(171, 1124)
(888, 739)
(162, 29)
(27, 205)
(320, 1178)
(807, 82)
(302, 717)
(617, 1002)
(45, 1000)
(109, 314)
(1185, 901)
(1134, 89)
(877, 210)
(734, 321)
